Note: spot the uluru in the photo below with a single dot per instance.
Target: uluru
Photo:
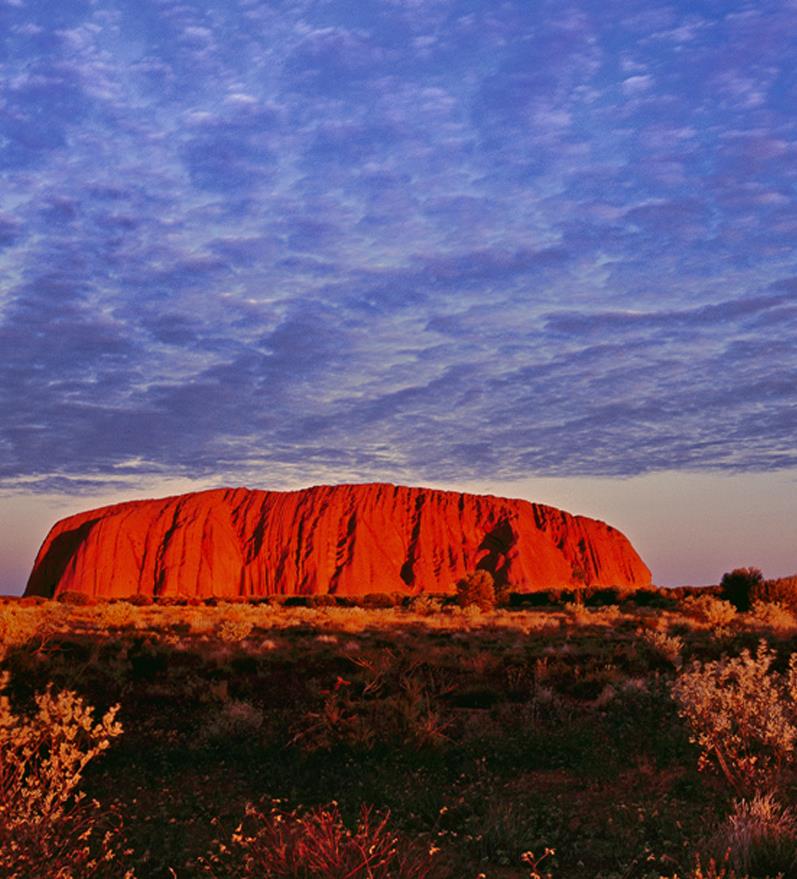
(338, 539)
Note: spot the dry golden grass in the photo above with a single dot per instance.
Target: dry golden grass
(486, 734)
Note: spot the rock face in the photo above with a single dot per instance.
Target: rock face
(345, 539)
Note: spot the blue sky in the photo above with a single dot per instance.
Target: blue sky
(428, 241)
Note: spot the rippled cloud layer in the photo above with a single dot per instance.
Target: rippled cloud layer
(413, 239)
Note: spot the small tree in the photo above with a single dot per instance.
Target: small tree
(477, 588)
(579, 578)
(738, 585)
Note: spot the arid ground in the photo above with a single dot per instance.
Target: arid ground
(618, 740)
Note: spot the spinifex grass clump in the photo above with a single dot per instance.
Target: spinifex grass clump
(318, 844)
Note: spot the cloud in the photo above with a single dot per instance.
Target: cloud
(422, 241)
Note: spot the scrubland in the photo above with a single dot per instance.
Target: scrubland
(647, 738)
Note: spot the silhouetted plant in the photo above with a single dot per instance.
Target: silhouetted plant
(738, 585)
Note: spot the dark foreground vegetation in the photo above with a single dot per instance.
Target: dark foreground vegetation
(623, 738)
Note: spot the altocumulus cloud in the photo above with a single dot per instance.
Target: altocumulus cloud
(427, 240)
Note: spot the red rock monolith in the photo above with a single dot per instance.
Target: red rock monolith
(342, 539)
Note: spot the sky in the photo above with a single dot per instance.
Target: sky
(542, 249)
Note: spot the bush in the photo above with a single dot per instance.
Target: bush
(318, 845)
(771, 615)
(234, 631)
(743, 716)
(761, 838)
(664, 599)
(47, 828)
(738, 585)
(713, 611)
(782, 591)
(379, 601)
(477, 588)
(139, 599)
(664, 646)
(541, 598)
(602, 597)
(78, 599)
(324, 599)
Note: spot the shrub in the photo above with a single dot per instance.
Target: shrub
(47, 828)
(318, 845)
(379, 601)
(28, 626)
(477, 588)
(713, 611)
(737, 586)
(234, 630)
(664, 599)
(118, 615)
(771, 615)
(602, 597)
(532, 599)
(668, 647)
(743, 716)
(761, 837)
(323, 599)
(425, 604)
(712, 870)
(139, 599)
(78, 599)
(233, 719)
(781, 591)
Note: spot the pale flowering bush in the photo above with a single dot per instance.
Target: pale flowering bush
(743, 715)
(47, 828)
